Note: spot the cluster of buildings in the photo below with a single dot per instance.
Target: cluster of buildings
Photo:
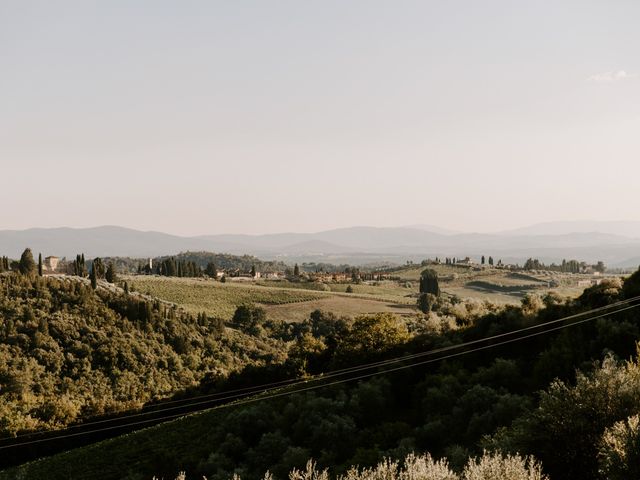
(238, 274)
(320, 277)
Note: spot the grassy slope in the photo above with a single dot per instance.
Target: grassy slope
(489, 284)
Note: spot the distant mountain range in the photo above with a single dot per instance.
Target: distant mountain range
(625, 229)
(615, 243)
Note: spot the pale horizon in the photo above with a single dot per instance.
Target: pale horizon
(446, 229)
(210, 117)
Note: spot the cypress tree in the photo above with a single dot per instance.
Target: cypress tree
(211, 270)
(27, 264)
(98, 264)
(110, 275)
(426, 302)
(429, 282)
(94, 278)
(296, 270)
(40, 264)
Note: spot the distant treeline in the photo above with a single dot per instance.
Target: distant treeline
(170, 267)
(567, 266)
(192, 264)
(323, 267)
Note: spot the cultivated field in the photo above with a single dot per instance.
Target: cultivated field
(294, 301)
(340, 305)
(215, 298)
(282, 300)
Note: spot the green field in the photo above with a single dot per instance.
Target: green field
(282, 300)
(215, 298)
(391, 291)
(338, 304)
(294, 300)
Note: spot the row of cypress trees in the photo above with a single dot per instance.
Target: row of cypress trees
(4, 264)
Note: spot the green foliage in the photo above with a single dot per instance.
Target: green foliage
(567, 428)
(447, 407)
(94, 277)
(374, 333)
(110, 275)
(227, 262)
(429, 282)
(27, 264)
(211, 270)
(79, 267)
(620, 450)
(98, 266)
(68, 352)
(4, 264)
(568, 266)
(172, 267)
(218, 299)
(426, 302)
(632, 285)
(250, 319)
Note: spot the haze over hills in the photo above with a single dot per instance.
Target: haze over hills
(588, 241)
(622, 228)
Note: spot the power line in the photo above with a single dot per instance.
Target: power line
(242, 392)
(384, 362)
(351, 379)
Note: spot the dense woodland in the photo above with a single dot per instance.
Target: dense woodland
(70, 351)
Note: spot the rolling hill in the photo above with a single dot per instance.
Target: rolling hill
(356, 245)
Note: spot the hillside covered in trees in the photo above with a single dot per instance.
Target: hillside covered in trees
(580, 427)
(68, 351)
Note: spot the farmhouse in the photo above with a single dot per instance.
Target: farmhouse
(271, 275)
(51, 263)
(465, 261)
(589, 283)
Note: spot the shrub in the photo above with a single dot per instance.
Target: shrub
(495, 466)
(620, 450)
(491, 466)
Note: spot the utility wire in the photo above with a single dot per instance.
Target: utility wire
(342, 371)
(242, 392)
(337, 382)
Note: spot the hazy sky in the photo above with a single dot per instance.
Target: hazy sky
(264, 116)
